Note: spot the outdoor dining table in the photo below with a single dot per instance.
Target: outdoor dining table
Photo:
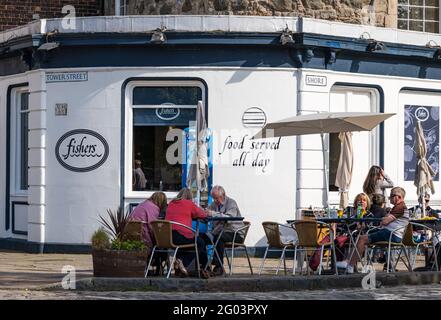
(347, 222)
(224, 220)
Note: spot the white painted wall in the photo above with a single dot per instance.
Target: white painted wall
(73, 200)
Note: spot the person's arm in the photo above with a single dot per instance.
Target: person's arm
(386, 182)
(232, 210)
(197, 212)
(387, 219)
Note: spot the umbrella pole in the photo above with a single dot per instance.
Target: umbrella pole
(325, 169)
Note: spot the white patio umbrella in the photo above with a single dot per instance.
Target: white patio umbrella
(321, 123)
(344, 170)
(198, 172)
(424, 172)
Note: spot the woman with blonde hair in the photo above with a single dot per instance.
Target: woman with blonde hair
(376, 181)
(363, 200)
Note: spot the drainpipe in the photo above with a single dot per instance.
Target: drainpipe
(117, 7)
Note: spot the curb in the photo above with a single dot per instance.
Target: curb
(250, 284)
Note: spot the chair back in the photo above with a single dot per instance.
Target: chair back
(408, 236)
(245, 230)
(162, 229)
(272, 233)
(306, 233)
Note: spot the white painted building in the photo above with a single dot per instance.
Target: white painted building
(75, 113)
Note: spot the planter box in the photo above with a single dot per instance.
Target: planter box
(119, 263)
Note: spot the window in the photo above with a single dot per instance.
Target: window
(418, 15)
(19, 140)
(157, 109)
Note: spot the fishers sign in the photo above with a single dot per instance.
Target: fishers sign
(81, 150)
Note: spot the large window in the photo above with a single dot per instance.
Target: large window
(157, 109)
(19, 141)
(419, 15)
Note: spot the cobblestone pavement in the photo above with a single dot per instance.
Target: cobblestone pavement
(427, 292)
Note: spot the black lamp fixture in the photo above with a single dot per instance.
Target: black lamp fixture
(330, 56)
(373, 45)
(47, 46)
(286, 37)
(158, 36)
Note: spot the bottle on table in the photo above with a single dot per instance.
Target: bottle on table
(359, 212)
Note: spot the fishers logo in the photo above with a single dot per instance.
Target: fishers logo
(81, 150)
(422, 114)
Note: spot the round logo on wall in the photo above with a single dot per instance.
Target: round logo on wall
(81, 150)
(168, 112)
(254, 117)
(422, 113)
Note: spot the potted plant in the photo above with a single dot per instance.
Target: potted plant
(117, 251)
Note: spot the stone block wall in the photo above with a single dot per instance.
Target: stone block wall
(15, 13)
(369, 12)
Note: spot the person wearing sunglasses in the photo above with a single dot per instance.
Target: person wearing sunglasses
(398, 217)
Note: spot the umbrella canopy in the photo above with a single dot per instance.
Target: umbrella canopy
(325, 122)
(199, 165)
(424, 172)
(344, 170)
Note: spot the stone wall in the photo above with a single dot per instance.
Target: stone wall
(15, 13)
(368, 12)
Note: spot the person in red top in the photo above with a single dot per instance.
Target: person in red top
(183, 210)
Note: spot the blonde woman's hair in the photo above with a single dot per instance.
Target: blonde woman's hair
(160, 199)
(184, 194)
(359, 196)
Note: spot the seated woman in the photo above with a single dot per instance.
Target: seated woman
(183, 210)
(148, 211)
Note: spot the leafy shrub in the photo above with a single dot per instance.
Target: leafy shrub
(129, 245)
(118, 222)
(100, 239)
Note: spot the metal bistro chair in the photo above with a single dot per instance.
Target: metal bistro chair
(162, 230)
(409, 242)
(232, 245)
(308, 240)
(275, 243)
(390, 246)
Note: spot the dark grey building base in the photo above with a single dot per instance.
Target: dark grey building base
(252, 283)
(20, 245)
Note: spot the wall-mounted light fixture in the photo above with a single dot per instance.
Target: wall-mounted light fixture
(47, 46)
(286, 37)
(308, 55)
(434, 45)
(158, 36)
(373, 45)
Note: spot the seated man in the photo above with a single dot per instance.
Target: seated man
(430, 212)
(224, 206)
(397, 217)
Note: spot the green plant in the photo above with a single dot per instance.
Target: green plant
(129, 245)
(117, 224)
(100, 239)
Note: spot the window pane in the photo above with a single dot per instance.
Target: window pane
(416, 13)
(403, 1)
(432, 14)
(416, 25)
(417, 2)
(24, 142)
(151, 168)
(402, 24)
(160, 95)
(403, 12)
(432, 27)
(432, 3)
